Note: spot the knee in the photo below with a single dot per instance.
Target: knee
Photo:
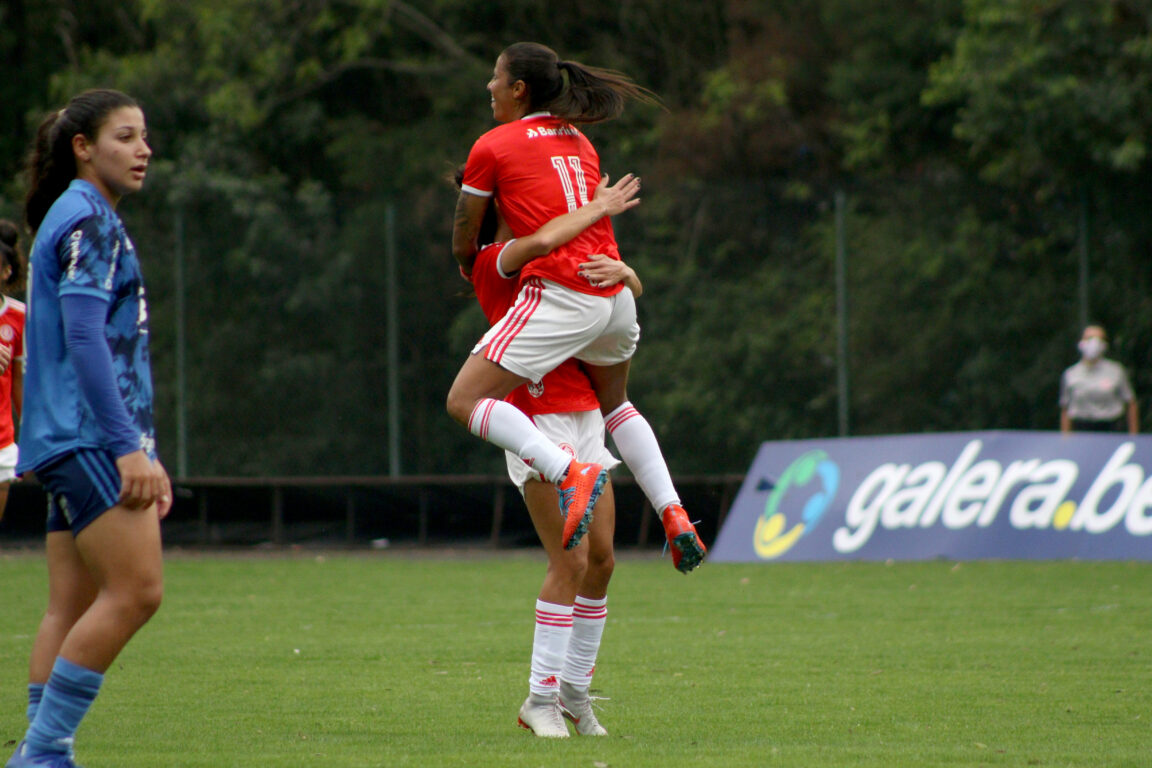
(571, 570)
(150, 599)
(577, 572)
(141, 601)
(66, 606)
(600, 566)
(62, 616)
(459, 407)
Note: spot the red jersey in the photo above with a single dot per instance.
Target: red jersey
(567, 388)
(11, 336)
(538, 168)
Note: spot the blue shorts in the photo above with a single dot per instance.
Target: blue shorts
(81, 486)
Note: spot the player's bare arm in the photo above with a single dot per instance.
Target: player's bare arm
(607, 201)
(466, 227)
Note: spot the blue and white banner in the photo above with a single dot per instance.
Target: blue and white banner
(970, 495)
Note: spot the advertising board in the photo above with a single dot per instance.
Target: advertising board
(970, 495)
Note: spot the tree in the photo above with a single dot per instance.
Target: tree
(1053, 102)
(969, 138)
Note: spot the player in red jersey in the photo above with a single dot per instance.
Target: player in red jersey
(536, 166)
(571, 607)
(12, 272)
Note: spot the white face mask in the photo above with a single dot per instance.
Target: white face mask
(1092, 348)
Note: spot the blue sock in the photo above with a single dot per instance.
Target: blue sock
(35, 693)
(69, 693)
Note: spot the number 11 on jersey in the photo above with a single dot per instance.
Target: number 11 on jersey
(568, 168)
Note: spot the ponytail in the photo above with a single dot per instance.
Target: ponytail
(51, 162)
(594, 94)
(571, 91)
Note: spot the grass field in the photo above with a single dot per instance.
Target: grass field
(406, 659)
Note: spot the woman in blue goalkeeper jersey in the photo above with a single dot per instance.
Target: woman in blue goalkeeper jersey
(86, 429)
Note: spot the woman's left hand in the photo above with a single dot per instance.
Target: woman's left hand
(601, 271)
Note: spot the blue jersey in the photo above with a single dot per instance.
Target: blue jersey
(81, 248)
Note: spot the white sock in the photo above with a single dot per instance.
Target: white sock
(549, 643)
(505, 425)
(639, 449)
(588, 619)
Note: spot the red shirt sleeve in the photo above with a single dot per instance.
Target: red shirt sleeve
(480, 171)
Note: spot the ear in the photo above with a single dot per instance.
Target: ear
(81, 147)
(520, 90)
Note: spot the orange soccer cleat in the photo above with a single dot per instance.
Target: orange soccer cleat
(578, 493)
(687, 549)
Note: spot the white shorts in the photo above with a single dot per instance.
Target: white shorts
(8, 456)
(579, 434)
(550, 323)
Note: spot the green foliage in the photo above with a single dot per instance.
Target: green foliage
(878, 76)
(971, 140)
(1051, 91)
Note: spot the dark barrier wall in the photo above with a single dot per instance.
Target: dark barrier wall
(1030, 495)
(430, 510)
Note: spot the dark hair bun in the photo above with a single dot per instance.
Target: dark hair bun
(9, 233)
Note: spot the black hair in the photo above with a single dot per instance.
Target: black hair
(10, 254)
(52, 163)
(586, 95)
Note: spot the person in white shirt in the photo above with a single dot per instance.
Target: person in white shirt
(1095, 394)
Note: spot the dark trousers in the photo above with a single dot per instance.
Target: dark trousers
(1114, 425)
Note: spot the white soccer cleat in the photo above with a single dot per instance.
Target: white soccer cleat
(577, 707)
(543, 719)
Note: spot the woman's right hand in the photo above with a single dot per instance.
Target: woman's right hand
(142, 481)
(620, 196)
